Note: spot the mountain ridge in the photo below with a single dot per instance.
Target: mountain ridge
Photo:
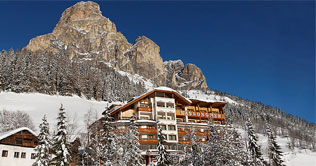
(83, 32)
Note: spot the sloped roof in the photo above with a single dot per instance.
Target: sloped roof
(158, 89)
(11, 132)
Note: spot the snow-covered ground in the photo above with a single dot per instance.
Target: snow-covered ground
(36, 105)
(296, 157)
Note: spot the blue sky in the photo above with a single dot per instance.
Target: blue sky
(262, 51)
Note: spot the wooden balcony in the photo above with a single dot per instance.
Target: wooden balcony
(180, 132)
(145, 109)
(201, 133)
(144, 141)
(199, 114)
(147, 130)
(184, 142)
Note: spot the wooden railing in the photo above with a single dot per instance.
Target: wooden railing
(184, 142)
(199, 114)
(148, 141)
(146, 109)
(147, 130)
(180, 132)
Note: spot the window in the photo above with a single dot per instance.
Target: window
(152, 146)
(16, 154)
(163, 127)
(23, 155)
(4, 153)
(172, 137)
(170, 116)
(144, 147)
(160, 104)
(170, 105)
(33, 156)
(151, 137)
(161, 115)
(171, 127)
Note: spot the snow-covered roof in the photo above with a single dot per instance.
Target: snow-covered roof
(161, 88)
(11, 132)
(208, 100)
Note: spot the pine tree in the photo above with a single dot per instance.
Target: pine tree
(163, 158)
(61, 144)
(109, 140)
(43, 156)
(274, 150)
(224, 147)
(253, 147)
(194, 153)
(133, 155)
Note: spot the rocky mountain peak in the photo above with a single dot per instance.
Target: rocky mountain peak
(83, 32)
(84, 16)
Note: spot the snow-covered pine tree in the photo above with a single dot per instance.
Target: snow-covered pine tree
(224, 147)
(133, 155)
(60, 142)
(194, 153)
(109, 140)
(253, 147)
(163, 158)
(274, 150)
(43, 156)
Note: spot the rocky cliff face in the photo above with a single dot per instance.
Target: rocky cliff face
(82, 32)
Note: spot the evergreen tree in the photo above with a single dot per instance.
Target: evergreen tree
(194, 153)
(133, 155)
(224, 147)
(163, 158)
(43, 156)
(274, 150)
(109, 141)
(61, 144)
(253, 147)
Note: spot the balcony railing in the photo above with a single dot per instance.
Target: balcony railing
(180, 132)
(145, 109)
(147, 130)
(142, 141)
(198, 114)
(184, 142)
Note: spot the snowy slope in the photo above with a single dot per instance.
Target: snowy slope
(36, 105)
(197, 94)
(296, 157)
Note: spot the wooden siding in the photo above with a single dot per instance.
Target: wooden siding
(23, 138)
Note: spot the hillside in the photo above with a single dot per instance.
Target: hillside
(37, 105)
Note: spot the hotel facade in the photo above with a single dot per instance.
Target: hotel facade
(176, 114)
